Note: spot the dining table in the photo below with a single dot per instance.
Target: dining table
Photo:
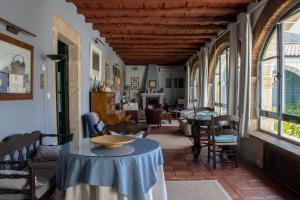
(200, 125)
(132, 172)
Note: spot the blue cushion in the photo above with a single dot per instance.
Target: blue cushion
(100, 126)
(225, 138)
(203, 127)
(91, 130)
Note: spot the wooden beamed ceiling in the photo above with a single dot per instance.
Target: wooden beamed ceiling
(163, 32)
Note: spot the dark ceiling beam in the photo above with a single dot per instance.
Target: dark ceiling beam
(173, 46)
(159, 29)
(161, 20)
(145, 41)
(160, 12)
(164, 1)
(154, 53)
(156, 50)
(157, 36)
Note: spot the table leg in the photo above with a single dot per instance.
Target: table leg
(197, 143)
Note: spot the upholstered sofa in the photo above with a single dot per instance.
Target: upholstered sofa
(27, 178)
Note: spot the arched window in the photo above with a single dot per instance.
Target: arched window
(280, 79)
(220, 82)
(195, 85)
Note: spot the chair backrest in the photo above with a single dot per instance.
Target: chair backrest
(203, 109)
(225, 125)
(153, 115)
(20, 146)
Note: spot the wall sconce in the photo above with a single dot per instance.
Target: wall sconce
(56, 57)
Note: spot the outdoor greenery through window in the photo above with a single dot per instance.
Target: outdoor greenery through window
(220, 82)
(280, 80)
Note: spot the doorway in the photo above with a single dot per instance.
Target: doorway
(62, 92)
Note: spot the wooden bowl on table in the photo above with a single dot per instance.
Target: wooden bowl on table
(112, 141)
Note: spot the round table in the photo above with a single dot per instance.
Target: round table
(132, 176)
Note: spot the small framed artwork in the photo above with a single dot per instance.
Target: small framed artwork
(134, 80)
(16, 69)
(95, 62)
(152, 84)
(134, 87)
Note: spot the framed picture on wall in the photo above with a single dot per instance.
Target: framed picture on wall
(134, 87)
(134, 80)
(16, 69)
(95, 62)
(152, 84)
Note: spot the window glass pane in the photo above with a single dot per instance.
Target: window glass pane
(269, 124)
(291, 67)
(223, 83)
(217, 83)
(218, 109)
(291, 130)
(271, 48)
(269, 85)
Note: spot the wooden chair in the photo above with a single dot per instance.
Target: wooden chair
(224, 135)
(153, 116)
(200, 130)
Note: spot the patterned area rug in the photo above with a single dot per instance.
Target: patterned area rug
(196, 190)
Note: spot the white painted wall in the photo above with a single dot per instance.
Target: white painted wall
(37, 16)
(171, 94)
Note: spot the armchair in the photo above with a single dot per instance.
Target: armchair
(153, 116)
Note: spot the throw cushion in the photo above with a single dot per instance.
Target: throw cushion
(150, 107)
(47, 153)
(94, 117)
(13, 183)
(100, 126)
(16, 183)
(225, 138)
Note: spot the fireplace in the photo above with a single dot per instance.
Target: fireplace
(152, 98)
(152, 101)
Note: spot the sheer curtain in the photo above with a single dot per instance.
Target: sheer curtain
(203, 77)
(187, 84)
(233, 72)
(245, 75)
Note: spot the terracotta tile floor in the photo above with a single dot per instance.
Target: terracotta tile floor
(245, 182)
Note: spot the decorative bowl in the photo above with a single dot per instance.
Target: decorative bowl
(112, 141)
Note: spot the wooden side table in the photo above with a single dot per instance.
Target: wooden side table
(167, 116)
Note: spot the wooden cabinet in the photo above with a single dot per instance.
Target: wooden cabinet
(103, 103)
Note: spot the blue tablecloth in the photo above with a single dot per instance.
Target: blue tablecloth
(132, 175)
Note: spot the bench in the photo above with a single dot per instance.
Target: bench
(17, 153)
